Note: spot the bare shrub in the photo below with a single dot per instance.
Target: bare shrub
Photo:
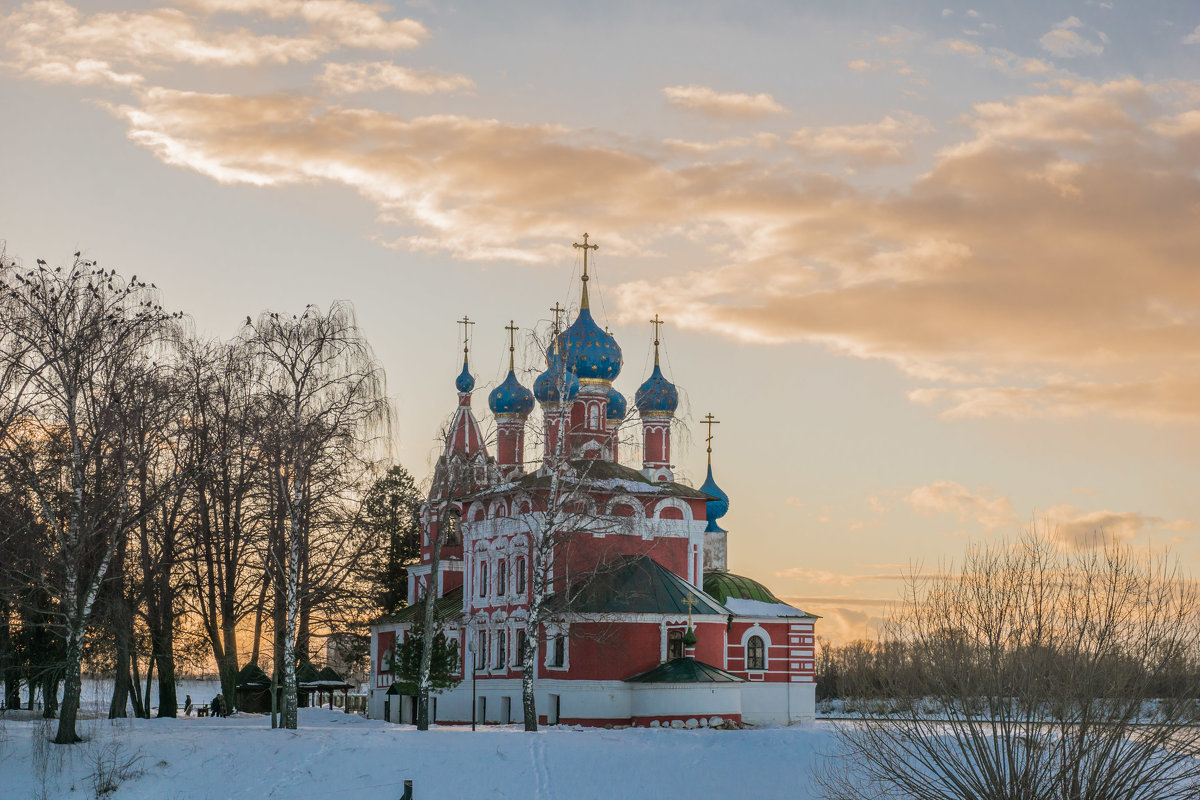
(1053, 673)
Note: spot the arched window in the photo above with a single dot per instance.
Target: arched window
(520, 576)
(674, 643)
(453, 527)
(483, 579)
(756, 657)
(593, 415)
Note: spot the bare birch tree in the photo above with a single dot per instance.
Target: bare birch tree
(325, 400)
(71, 341)
(1034, 672)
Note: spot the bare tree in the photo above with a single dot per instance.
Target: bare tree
(325, 401)
(1034, 672)
(72, 342)
(225, 536)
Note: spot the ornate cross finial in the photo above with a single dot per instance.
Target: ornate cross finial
(512, 332)
(583, 303)
(657, 323)
(558, 311)
(466, 323)
(690, 601)
(709, 420)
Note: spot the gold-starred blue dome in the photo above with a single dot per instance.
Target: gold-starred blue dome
(510, 397)
(657, 394)
(616, 406)
(557, 384)
(588, 350)
(465, 382)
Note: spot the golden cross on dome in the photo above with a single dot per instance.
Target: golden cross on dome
(657, 323)
(585, 246)
(465, 322)
(512, 331)
(690, 601)
(558, 311)
(709, 420)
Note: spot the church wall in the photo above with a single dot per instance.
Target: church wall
(584, 552)
(789, 649)
(780, 703)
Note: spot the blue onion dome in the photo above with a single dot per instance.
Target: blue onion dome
(714, 509)
(546, 387)
(616, 406)
(465, 382)
(511, 397)
(657, 394)
(590, 352)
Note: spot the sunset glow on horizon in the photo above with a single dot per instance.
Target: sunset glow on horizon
(934, 267)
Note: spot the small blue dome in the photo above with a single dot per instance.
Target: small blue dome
(511, 397)
(616, 406)
(657, 394)
(589, 351)
(465, 382)
(714, 509)
(546, 387)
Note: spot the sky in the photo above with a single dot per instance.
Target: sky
(932, 266)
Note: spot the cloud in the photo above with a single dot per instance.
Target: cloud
(959, 46)
(1193, 37)
(886, 141)
(1065, 42)
(45, 39)
(722, 104)
(374, 76)
(1041, 264)
(1078, 530)
(948, 497)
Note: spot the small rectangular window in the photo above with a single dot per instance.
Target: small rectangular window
(559, 654)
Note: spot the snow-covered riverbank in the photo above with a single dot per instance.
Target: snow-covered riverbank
(336, 755)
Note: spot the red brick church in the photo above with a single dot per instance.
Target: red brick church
(641, 622)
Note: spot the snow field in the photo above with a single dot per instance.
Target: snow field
(336, 755)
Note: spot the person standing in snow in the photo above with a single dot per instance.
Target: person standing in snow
(187, 705)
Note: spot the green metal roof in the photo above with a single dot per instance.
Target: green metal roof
(685, 670)
(724, 585)
(329, 675)
(446, 608)
(252, 675)
(633, 585)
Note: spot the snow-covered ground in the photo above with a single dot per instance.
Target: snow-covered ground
(336, 755)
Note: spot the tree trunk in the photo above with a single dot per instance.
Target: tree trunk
(162, 639)
(117, 708)
(71, 691)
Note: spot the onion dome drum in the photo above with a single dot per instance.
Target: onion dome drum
(465, 382)
(657, 394)
(616, 407)
(589, 351)
(714, 509)
(549, 386)
(510, 397)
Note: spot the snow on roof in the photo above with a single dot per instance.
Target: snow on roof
(757, 608)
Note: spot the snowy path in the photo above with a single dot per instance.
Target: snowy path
(335, 755)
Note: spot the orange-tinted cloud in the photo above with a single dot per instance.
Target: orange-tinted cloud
(362, 76)
(948, 497)
(887, 141)
(722, 104)
(53, 41)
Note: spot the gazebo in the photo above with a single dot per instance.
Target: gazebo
(329, 681)
(253, 689)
